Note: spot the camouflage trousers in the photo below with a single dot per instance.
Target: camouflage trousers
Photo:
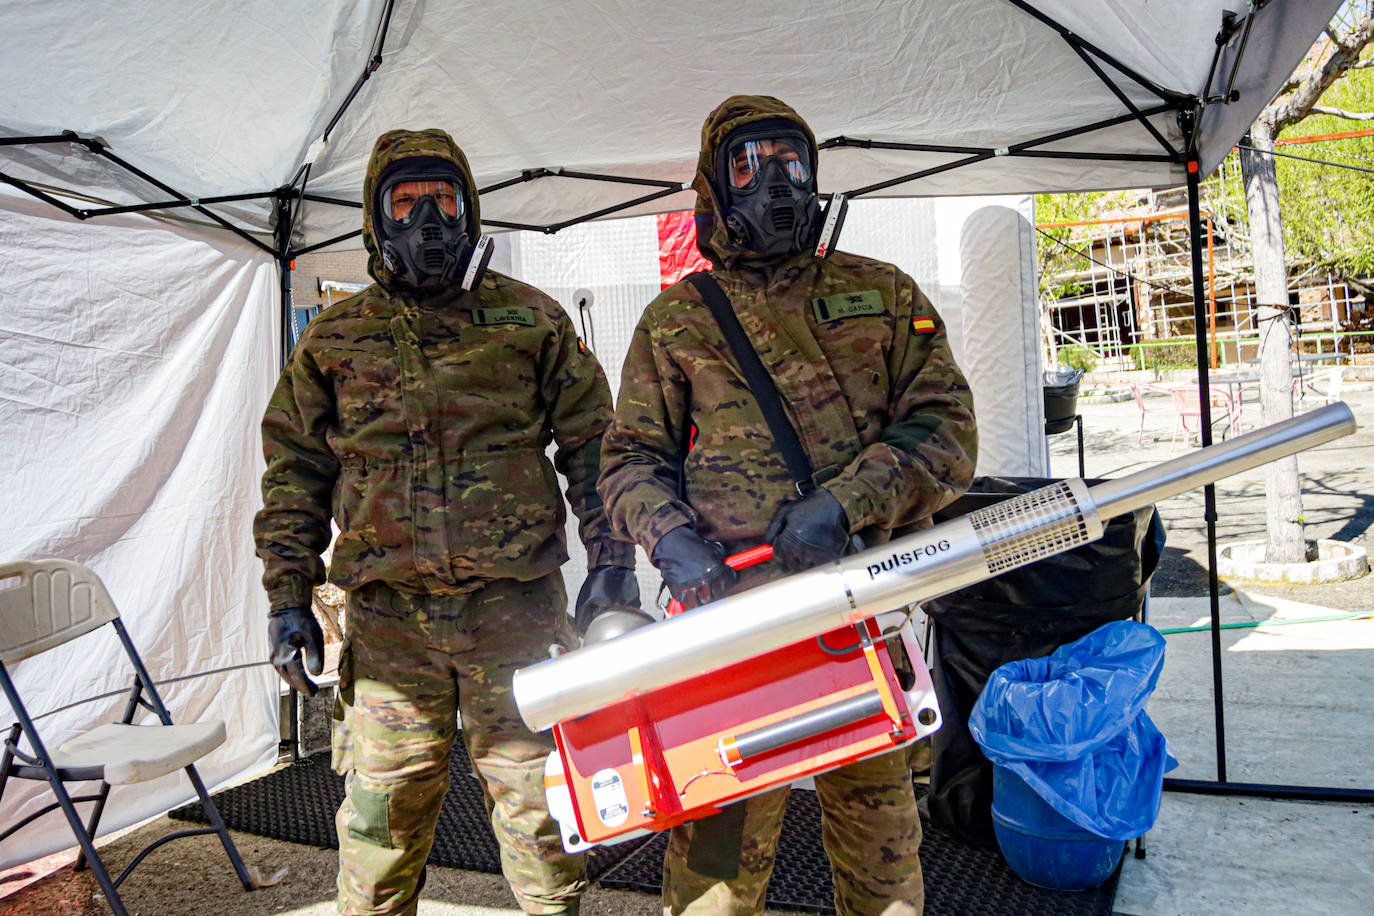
(409, 664)
(870, 828)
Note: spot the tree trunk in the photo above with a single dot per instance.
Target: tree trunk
(1284, 543)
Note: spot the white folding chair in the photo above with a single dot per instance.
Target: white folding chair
(1335, 378)
(43, 604)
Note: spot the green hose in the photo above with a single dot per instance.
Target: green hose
(1266, 623)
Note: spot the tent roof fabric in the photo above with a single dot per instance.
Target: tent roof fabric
(237, 99)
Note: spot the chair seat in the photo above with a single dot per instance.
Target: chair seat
(137, 753)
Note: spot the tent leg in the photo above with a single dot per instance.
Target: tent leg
(1195, 243)
(284, 267)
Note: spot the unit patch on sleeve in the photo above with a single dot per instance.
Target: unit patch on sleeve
(848, 305)
(510, 315)
(923, 325)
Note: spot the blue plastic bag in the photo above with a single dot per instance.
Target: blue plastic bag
(1073, 726)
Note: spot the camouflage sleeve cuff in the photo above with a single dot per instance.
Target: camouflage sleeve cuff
(668, 516)
(294, 591)
(859, 501)
(607, 552)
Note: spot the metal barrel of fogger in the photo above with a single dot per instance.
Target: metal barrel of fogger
(914, 568)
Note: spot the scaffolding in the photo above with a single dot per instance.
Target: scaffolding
(1131, 301)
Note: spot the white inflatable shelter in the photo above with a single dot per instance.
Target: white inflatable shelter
(164, 165)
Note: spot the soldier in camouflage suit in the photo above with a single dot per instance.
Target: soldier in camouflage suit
(862, 363)
(417, 415)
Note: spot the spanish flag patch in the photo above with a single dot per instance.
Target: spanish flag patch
(923, 325)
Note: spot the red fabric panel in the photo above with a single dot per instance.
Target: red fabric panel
(677, 247)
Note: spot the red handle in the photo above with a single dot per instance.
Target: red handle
(742, 560)
(751, 557)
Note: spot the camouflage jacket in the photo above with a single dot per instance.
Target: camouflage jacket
(420, 426)
(861, 362)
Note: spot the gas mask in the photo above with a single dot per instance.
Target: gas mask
(766, 182)
(421, 219)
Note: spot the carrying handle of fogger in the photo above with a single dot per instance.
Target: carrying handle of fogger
(753, 556)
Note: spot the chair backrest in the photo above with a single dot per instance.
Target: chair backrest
(1333, 383)
(44, 603)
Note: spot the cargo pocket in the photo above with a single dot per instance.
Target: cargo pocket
(371, 822)
(341, 736)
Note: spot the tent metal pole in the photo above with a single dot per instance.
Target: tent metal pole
(1195, 243)
(326, 243)
(282, 235)
(1167, 95)
(604, 211)
(67, 137)
(321, 199)
(46, 198)
(923, 173)
(100, 149)
(524, 176)
(173, 204)
(619, 179)
(506, 224)
(1240, 52)
(1267, 790)
(373, 63)
(1122, 97)
(1018, 149)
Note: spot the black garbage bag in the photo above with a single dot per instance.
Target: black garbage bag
(1023, 613)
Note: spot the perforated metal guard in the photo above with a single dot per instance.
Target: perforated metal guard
(1036, 525)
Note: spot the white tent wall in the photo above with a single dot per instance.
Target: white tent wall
(618, 261)
(134, 355)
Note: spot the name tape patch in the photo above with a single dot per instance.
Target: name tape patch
(849, 305)
(511, 315)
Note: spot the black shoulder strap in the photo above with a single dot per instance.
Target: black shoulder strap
(759, 381)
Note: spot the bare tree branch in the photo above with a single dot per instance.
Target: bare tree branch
(1317, 77)
(1342, 113)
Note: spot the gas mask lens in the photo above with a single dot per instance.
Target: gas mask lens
(747, 159)
(403, 199)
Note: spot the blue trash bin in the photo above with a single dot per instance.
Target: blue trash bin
(1078, 765)
(1041, 845)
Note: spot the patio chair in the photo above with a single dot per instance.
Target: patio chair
(1335, 379)
(1188, 406)
(44, 604)
(1139, 390)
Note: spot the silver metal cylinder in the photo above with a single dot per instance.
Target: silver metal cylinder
(1204, 466)
(915, 568)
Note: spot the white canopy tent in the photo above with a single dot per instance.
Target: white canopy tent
(257, 118)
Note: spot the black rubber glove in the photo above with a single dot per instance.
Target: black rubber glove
(809, 531)
(693, 569)
(605, 587)
(292, 631)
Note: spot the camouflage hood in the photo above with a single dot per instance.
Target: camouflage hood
(712, 239)
(393, 146)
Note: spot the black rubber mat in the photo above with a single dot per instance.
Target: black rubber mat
(960, 880)
(297, 804)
